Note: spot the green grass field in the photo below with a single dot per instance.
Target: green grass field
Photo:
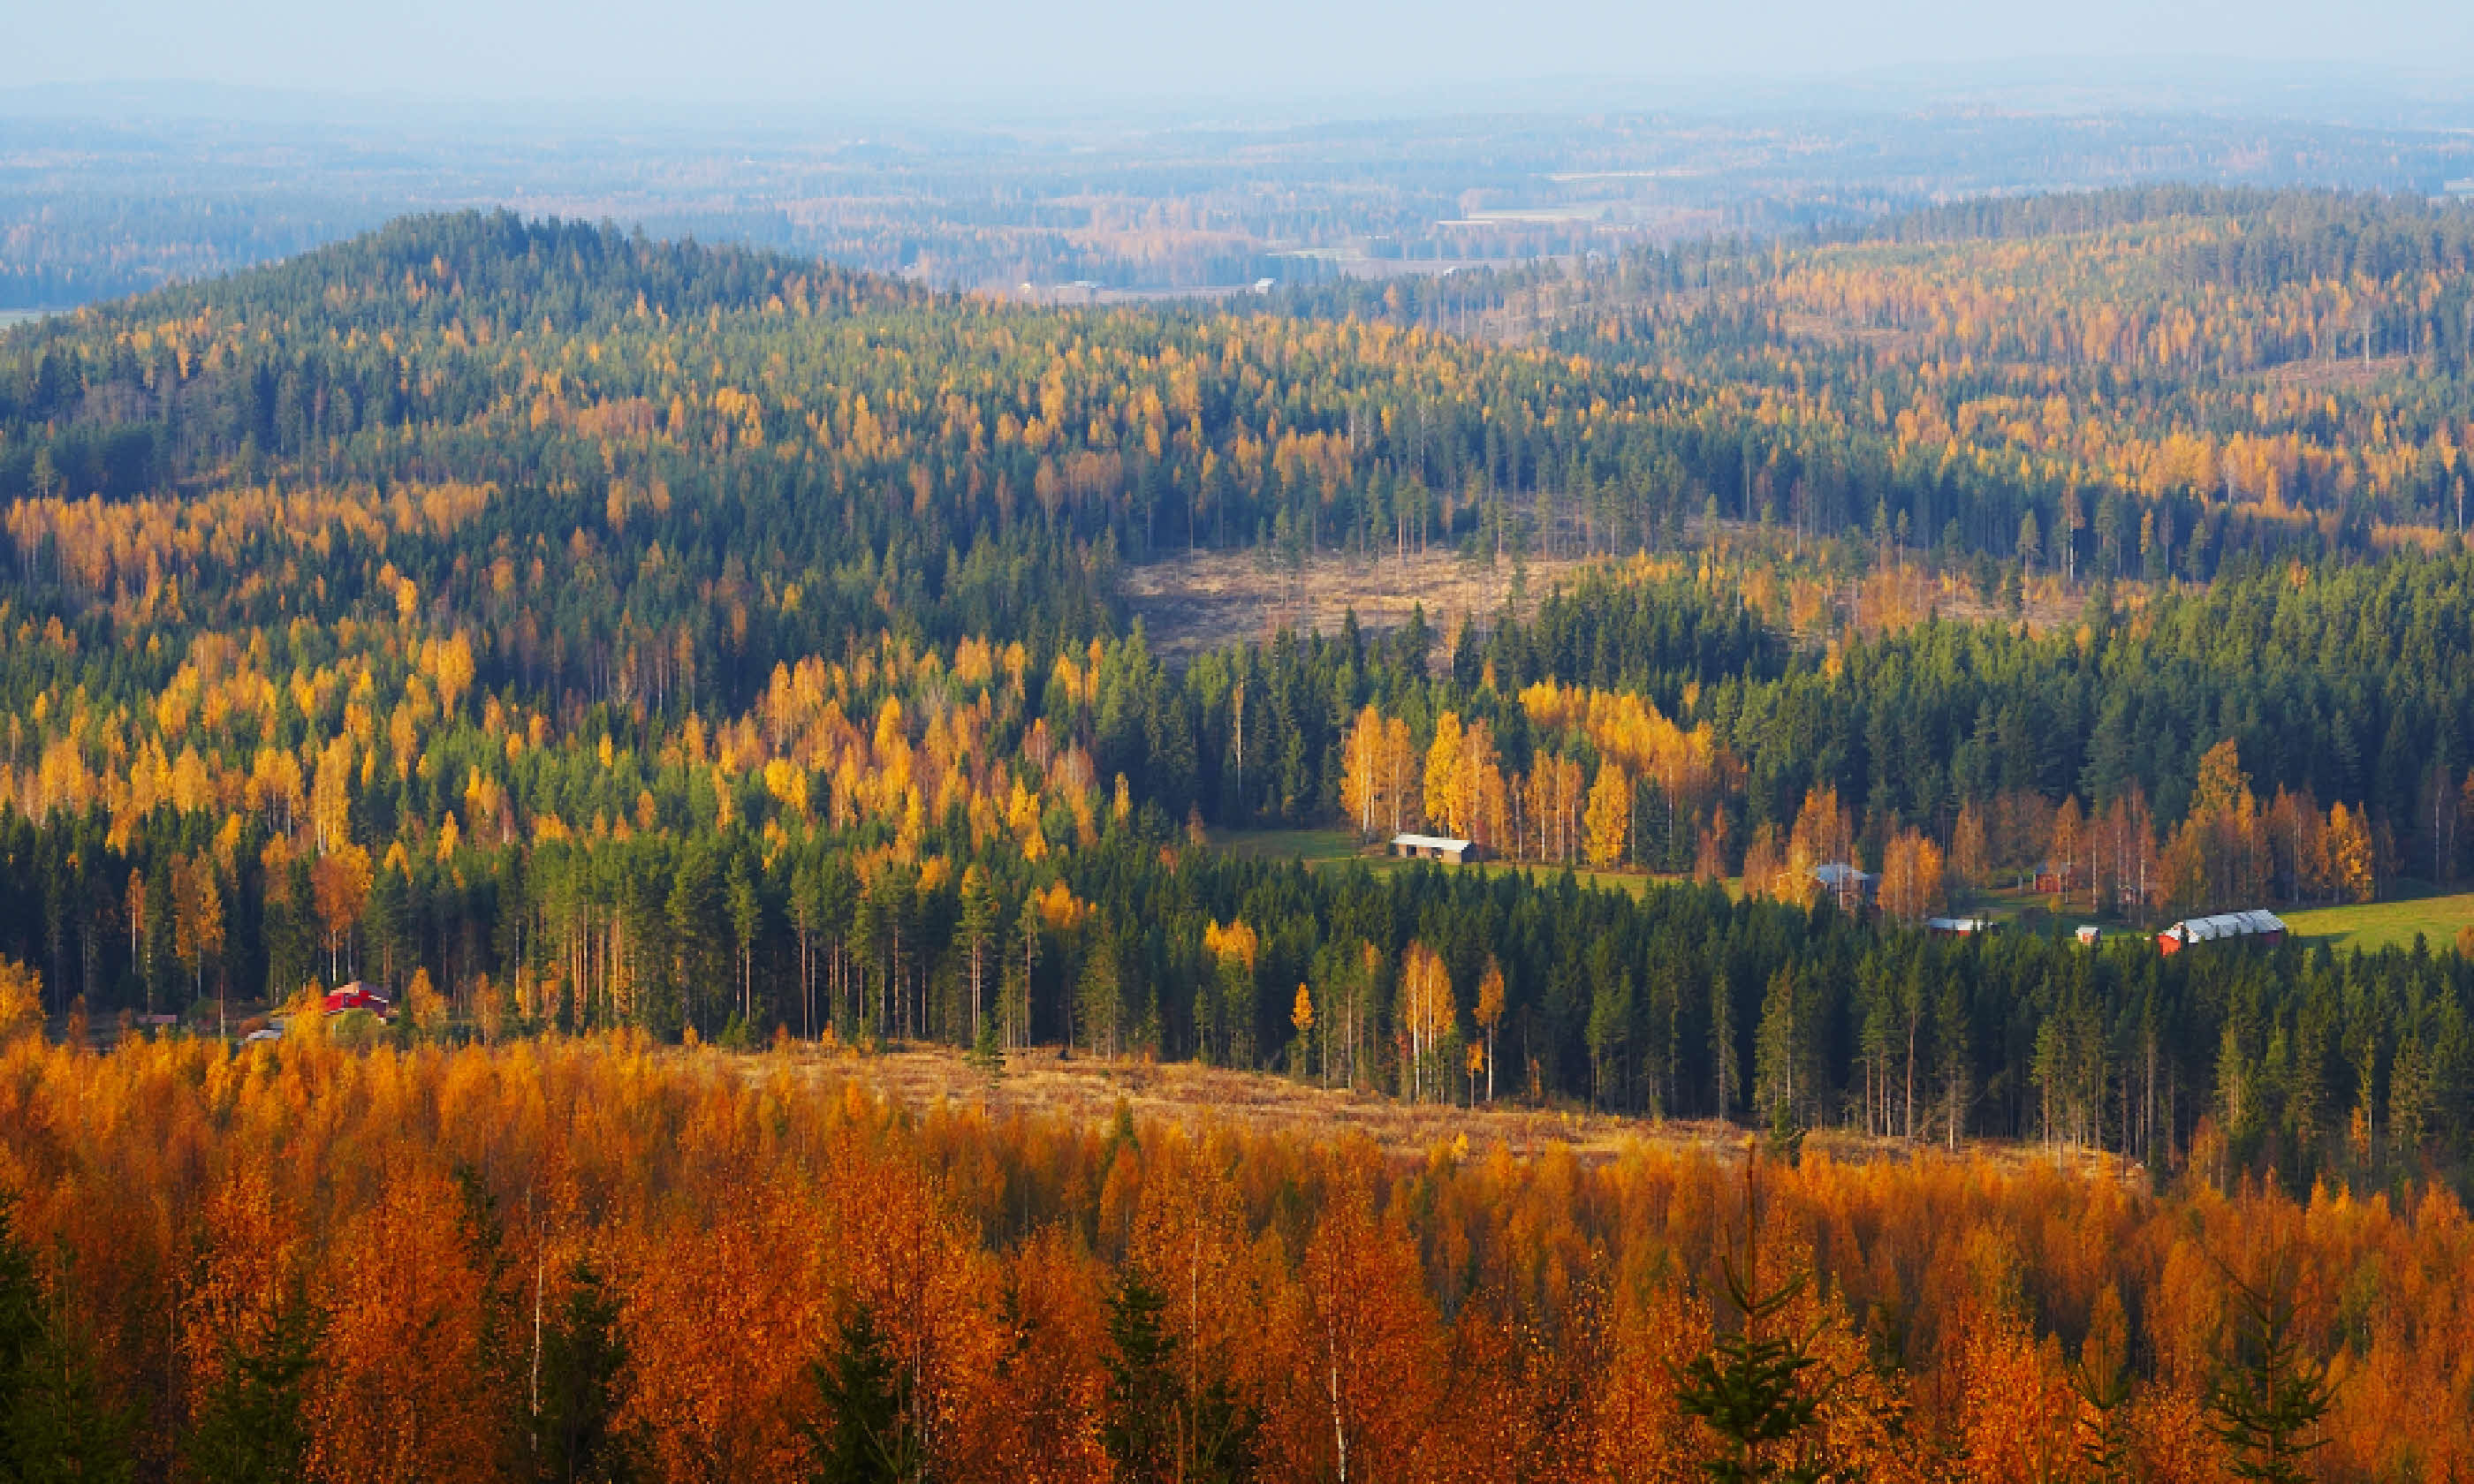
(2381, 924)
(1314, 847)
(2368, 927)
(1331, 847)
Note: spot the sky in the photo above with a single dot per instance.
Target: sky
(970, 54)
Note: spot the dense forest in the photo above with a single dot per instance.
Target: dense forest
(593, 1259)
(2135, 382)
(562, 628)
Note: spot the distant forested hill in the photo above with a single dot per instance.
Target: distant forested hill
(2129, 381)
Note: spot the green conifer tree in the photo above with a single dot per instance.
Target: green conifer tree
(867, 1433)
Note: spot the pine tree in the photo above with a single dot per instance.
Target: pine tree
(1102, 995)
(747, 917)
(1780, 1051)
(973, 935)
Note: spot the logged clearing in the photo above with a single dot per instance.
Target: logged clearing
(1211, 599)
(1088, 1090)
(1044, 1083)
(2339, 374)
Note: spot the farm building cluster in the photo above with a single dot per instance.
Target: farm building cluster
(2265, 926)
(1854, 889)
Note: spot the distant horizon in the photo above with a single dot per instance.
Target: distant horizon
(2343, 90)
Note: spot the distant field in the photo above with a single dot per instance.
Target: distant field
(2382, 925)
(1315, 847)
(1327, 847)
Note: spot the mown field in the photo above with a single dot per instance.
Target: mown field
(1332, 846)
(2381, 924)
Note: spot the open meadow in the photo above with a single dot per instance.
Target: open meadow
(1330, 847)
(2436, 920)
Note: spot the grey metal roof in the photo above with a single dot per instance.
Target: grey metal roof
(2227, 924)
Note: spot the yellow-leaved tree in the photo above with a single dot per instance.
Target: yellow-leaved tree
(428, 1007)
(21, 998)
(1489, 1014)
(1911, 876)
(1610, 817)
(1361, 778)
(1302, 1016)
(2353, 862)
(1443, 774)
(1426, 1009)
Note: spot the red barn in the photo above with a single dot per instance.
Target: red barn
(358, 995)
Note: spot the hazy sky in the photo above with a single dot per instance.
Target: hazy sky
(832, 51)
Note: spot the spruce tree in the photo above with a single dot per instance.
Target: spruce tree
(1140, 1429)
(867, 1433)
(1755, 1388)
(575, 1395)
(54, 1423)
(2268, 1397)
(248, 1427)
(1164, 1420)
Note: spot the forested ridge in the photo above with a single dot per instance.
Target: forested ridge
(2124, 382)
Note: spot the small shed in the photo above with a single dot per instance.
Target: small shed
(2262, 926)
(1958, 927)
(1441, 848)
(1850, 886)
